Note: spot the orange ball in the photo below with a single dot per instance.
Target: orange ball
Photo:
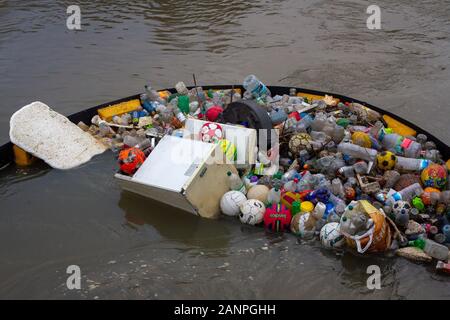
(130, 160)
(431, 189)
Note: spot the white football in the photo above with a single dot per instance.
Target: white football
(331, 237)
(231, 201)
(252, 212)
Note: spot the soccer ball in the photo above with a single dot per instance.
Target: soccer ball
(252, 212)
(230, 202)
(211, 132)
(130, 160)
(303, 225)
(277, 218)
(386, 160)
(259, 192)
(330, 237)
(434, 176)
(299, 142)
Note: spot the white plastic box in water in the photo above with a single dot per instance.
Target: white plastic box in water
(244, 139)
(188, 174)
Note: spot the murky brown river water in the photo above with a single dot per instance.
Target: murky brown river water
(131, 247)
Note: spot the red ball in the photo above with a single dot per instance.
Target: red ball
(213, 113)
(277, 218)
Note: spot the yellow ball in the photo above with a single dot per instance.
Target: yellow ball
(361, 139)
(386, 160)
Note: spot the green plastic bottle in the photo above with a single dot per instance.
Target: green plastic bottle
(433, 249)
(183, 104)
(295, 208)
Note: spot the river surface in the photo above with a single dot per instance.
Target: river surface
(130, 247)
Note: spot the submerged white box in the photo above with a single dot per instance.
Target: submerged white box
(188, 174)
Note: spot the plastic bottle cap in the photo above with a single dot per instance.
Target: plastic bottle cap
(306, 206)
(229, 173)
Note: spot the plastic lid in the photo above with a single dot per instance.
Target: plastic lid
(306, 206)
(229, 173)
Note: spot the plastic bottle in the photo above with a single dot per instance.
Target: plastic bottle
(130, 140)
(255, 87)
(120, 120)
(433, 249)
(339, 204)
(235, 182)
(181, 88)
(347, 171)
(305, 183)
(183, 104)
(285, 162)
(250, 181)
(153, 95)
(410, 164)
(147, 104)
(407, 193)
(104, 128)
(360, 167)
(356, 151)
(337, 188)
(290, 175)
(274, 196)
(304, 123)
(363, 112)
(295, 208)
(399, 144)
(291, 185)
(402, 219)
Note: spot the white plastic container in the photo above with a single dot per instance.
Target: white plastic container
(182, 173)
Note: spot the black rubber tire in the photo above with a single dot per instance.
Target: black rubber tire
(249, 111)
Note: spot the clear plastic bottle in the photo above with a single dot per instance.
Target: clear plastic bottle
(235, 182)
(104, 128)
(274, 196)
(181, 88)
(152, 94)
(290, 175)
(339, 204)
(347, 171)
(399, 144)
(305, 183)
(255, 87)
(433, 249)
(291, 185)
(356, 151)
(410, 164)
(361, 167)
(319, 210)
(304, 123)
(406, 194)
(337, 188)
